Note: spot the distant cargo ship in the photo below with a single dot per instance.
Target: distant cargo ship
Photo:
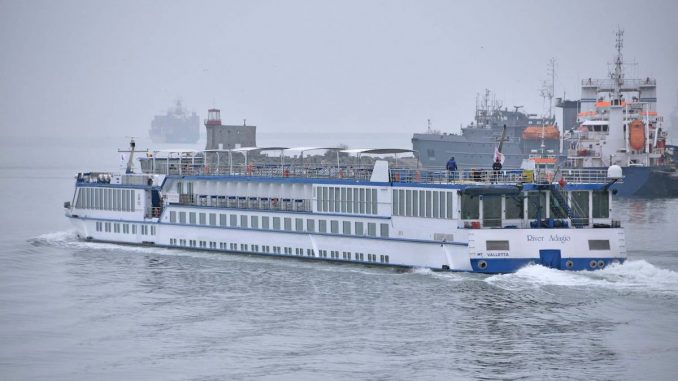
(176, 126)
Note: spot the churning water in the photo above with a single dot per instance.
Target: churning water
(74, 310)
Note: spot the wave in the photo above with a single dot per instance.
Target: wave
(633, 275)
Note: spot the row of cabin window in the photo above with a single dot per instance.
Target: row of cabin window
(334, 254)
(121, 200)
(116, 227)
(514, 205)
(278, 223)
(346, 200)
(423, 203)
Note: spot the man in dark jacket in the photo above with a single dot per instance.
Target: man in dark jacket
(452, 167)
(496, 166)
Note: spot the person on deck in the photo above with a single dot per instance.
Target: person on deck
(452, 167)
(496, 166)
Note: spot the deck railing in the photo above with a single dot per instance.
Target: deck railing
(402, 175)
(504, 176)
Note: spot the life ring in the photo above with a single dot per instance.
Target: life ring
(286, 172)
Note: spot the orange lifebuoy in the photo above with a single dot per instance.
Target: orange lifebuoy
(286, 172)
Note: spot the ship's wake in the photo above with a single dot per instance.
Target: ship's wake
(633, 276)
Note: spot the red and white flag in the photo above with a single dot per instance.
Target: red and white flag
(498, 155)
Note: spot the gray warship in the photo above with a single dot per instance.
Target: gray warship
(475, 146)
(176, 126)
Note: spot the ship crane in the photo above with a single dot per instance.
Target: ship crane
(131, 151)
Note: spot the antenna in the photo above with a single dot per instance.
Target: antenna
(548, 89)
(429, 125)
(618, 74)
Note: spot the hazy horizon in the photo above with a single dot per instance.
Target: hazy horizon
(89, 68)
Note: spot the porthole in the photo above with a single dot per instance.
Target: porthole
(482, 265)
(569, 264)
(601, 264)
(593, 264)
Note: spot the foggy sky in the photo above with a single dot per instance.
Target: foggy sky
(95, 68)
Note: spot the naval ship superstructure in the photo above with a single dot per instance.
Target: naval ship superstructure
(474, 147)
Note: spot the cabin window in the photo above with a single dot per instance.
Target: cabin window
(310, 225)
(213, 219)
(276, 223)
(470, 207)
(450, 205)
(359, 228)
(557, 210)
(415, 203)
(346, 228)
(243, 221)
(322, 226)
(326, 200)
(536, 201)
(254, 222)
(373, 201)
(191, 218)
(234, 220)
(203, 219)
(349, 200)
(343, 200)
(264, 222)
(299, 224)
(394, 204)
(408, 202)
(356, 200)
(441, 207)
(384, 230)
(428, 203)
(334, 227)
(287, 223)
(579, 202)
(362, 200)
(372, 229)
(497, 245)
(514, 206)
(173, 217)
(222, 219)
(599, 244)
(601, 204)
(337, 200)
(401, 202)
(319, 199)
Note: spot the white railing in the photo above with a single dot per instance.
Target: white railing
(504, 176)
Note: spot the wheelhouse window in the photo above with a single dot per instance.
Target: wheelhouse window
(536, 202)
(470, 207)
(514, 207)
(601, 204)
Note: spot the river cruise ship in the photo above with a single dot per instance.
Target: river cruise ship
(379, 214)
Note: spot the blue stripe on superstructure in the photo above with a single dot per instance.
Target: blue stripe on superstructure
(271, 231)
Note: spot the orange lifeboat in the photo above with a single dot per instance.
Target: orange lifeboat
(534, 133)
(637, 135)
